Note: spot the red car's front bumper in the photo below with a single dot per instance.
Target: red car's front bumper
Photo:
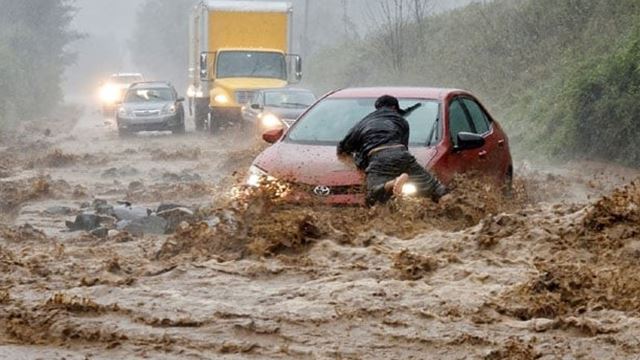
(300, 198)
(307, 195)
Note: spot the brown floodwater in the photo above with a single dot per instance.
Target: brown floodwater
(548, 273)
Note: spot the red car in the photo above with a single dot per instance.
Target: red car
(451, 133)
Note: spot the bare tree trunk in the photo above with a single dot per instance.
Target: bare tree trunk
(421, 10)
(349, 28)
(390, 19)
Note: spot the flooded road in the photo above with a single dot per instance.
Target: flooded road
(550, 273)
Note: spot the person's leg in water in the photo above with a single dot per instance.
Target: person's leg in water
(381, 191)
(385, 176)
(390, 171)
(376, 191)
(427, 184)
(396, 185)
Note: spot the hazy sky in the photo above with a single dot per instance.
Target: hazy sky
(115, 17)
(108, 25)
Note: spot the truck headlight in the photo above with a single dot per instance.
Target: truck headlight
(122, 112)
(270, 121)
(409, 189)
(221, 99)
(257, 176)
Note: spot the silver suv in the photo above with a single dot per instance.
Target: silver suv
(151, 106)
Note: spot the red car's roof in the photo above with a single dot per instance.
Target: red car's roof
(400, 92)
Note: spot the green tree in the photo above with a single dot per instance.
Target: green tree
(33, 39)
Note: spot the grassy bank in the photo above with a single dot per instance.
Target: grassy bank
(563, 76)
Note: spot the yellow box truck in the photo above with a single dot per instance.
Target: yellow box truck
(236, 48)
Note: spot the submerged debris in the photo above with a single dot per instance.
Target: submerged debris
(53, 159)
(413, 266)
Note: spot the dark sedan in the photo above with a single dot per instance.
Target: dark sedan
(271, 109)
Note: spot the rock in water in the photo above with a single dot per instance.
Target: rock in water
(100, 232)
(59, 210)
(149, 225)
(175, 216)
(165, 207)
(120, 225)
(104, 209)
(86, 222)
(124, 212)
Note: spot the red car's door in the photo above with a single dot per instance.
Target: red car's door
(490, 154)
(453, 161)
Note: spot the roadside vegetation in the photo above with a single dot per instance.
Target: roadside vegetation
(563, 76)
(33, 39)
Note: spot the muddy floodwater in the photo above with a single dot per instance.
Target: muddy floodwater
(549, 273)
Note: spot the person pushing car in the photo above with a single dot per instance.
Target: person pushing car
(379, 145)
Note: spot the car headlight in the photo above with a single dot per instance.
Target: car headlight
(122, 112)
(256, 176)
(109, 93)
(221, 99)
(270, 121)
(409, 189)
(192, 92)
(171, 109)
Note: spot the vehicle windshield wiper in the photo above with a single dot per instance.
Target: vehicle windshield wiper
(411, 109)
(433, 130)
(294, 104)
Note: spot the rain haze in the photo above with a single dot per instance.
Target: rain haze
(319, 179)
(109, 24)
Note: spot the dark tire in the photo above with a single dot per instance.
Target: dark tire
(199, 124)
(214, 126)
(201, 113)
(180, 129)
(200, 121)
(123, 132)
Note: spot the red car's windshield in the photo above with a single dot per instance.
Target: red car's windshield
(330, 120)
(289, 99)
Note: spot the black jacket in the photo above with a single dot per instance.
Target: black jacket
(381, 127)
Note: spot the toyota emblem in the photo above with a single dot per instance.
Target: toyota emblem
(322, 191)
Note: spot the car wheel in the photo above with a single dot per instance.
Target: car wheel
(123, 132)
(180, 129)
(199, 122)
(213, 125)
(200, 113)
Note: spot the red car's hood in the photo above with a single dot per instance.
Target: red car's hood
(317, 164)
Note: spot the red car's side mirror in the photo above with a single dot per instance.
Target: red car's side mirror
(272, 136)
